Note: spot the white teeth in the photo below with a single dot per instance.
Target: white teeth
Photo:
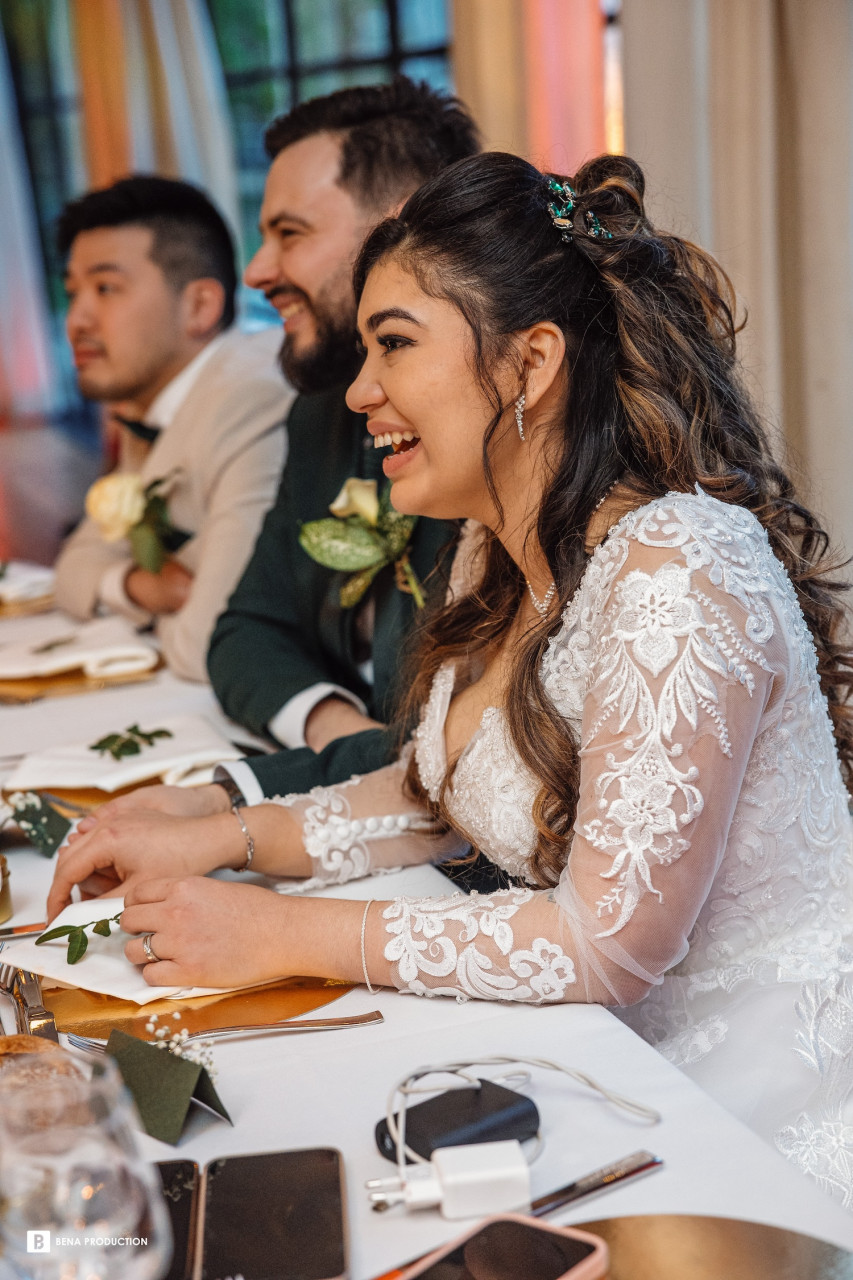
(393, 438)
(290, 310)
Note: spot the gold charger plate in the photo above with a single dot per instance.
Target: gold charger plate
(90, 1014)
(63, 683)
(25, 608)
(687, 1247)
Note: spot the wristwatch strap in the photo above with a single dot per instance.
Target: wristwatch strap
(224, 780)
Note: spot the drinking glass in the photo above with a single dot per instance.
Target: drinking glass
(77, 1202)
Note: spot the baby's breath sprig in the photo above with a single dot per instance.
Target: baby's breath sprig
(200, 1051)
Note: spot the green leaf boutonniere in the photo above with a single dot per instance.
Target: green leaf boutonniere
(365, 535)
(129, 743)
(123, 507)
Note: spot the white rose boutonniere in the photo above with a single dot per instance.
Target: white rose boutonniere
(116, 503)
(123, 507)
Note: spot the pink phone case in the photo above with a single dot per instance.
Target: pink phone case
(593, 1267)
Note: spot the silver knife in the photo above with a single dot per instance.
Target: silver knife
(22, 930)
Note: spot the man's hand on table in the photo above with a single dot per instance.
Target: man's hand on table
(119, 851)
(335, 718)
(163, 592)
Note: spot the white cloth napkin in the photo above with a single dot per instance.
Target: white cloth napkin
(105, 647)
(187, 758)
(23, 581)
(104, 967)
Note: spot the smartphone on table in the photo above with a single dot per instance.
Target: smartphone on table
(279, 1215)
(511, 1247)
(180, 1180)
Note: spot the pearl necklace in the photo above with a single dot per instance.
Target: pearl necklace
(541, 606)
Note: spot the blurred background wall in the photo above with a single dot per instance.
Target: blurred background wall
(740, 111)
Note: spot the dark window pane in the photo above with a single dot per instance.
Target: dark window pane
(423, 23)
(327, 81)
(339, 29)
(252, 108)
(250, 35)
(436, 71)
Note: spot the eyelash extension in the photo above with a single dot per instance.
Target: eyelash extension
(388, 338)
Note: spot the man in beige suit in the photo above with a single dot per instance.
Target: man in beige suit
(151, 280)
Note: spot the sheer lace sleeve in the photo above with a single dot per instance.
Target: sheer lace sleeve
(365, 826)
(669, 662)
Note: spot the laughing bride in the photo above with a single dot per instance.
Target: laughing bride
(633, 699)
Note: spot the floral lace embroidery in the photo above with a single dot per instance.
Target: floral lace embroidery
(422, 944)
(653, 613)
(821, 1141)
(338, 844)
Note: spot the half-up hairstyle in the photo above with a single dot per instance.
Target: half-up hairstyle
(654, 401)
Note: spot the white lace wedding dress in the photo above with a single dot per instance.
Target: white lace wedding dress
(709, 886)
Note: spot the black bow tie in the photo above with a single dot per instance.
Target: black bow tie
(141, 430)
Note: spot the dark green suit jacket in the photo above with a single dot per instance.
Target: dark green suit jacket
(284, 629)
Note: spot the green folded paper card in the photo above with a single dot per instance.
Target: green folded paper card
(40, 822)
(163, 1085)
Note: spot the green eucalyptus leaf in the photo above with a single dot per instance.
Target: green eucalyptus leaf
(102, 928)
(344, 545)
(61, 932)
(354, 587)
(147, 549)
(77, 945)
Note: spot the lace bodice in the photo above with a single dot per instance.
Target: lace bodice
(711, 851)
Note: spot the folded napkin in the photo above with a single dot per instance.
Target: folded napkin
(185, 758)
(22, 581)
(105, 647)
(104, 967)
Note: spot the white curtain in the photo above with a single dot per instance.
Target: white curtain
(176, 97)
(27, 381)
(741, 112)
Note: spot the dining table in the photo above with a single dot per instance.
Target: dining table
(285, 1092)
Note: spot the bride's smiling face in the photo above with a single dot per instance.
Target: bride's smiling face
(419, 391)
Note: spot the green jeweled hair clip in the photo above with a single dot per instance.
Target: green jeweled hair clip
(562, 209)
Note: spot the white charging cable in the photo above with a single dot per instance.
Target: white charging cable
(493, 1174)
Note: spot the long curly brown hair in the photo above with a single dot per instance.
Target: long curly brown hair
(655, 400)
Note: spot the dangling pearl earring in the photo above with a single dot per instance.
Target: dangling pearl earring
(519, 415)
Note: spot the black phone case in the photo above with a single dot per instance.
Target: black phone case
(459, 1117)
(180, 1179)
(275, 1215)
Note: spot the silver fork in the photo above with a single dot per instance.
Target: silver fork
(262, 1028)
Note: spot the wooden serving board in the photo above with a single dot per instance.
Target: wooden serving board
(90, 1014)
(65, 683)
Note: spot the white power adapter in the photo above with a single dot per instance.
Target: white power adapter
(465, 1182)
